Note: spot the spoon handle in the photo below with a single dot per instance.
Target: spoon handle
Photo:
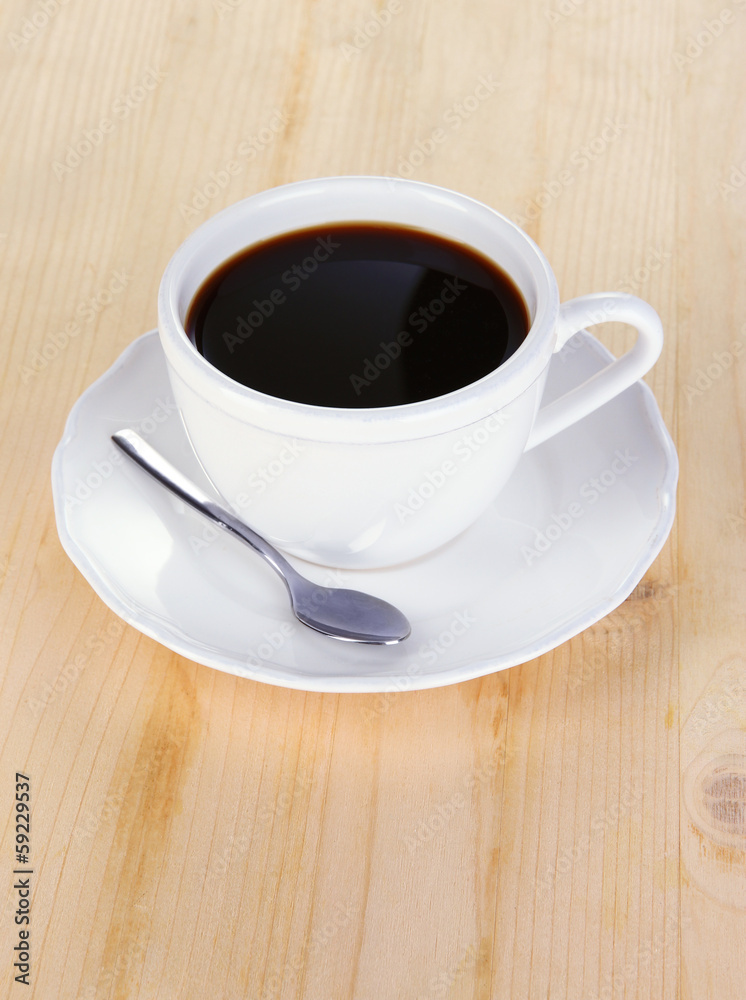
(169, 476)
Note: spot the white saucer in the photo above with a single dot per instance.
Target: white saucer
(488, 600)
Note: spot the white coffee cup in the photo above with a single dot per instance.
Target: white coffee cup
(380, 486)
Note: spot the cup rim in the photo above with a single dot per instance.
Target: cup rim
(406, 421)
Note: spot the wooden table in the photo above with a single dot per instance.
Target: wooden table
(197, 835)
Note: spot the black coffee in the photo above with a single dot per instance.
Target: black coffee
(357, 315)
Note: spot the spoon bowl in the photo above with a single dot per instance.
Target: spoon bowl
(348, 614)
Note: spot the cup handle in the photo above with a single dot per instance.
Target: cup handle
(587, 310)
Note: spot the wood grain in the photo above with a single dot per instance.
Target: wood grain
(571, 828)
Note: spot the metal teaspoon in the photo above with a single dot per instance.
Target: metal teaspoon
(341, 614)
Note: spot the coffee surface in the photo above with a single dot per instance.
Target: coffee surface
(357, 315)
